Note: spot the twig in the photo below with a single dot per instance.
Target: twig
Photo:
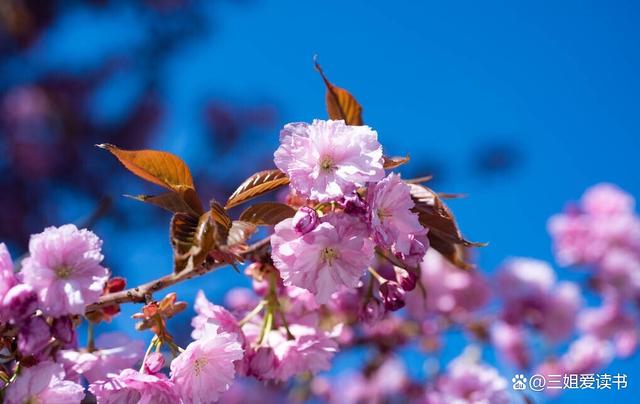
(140, 293)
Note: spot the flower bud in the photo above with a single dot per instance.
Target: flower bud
(64, 331)
(154, 363)
(20, 302)
(305, 220)
(392, 295)
(354, 205)
(33, 337)
(406, 279)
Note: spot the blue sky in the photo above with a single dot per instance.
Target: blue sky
(557, 82)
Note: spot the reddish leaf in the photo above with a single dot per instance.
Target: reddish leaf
(444, 234)
(267, 213)
(170, 201)
(158, 167)
(256, 185)
(222, 221)
(192, 238)
(419, 180)
(457, 254)
(340, 103)
(390, 163)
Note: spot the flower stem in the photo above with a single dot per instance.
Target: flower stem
(376, 275)
(91, 345)
(252, 313)
(154, 342)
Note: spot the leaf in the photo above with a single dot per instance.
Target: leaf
(222, 221)
(444, 234)
(340, 103)
(419, 180)
(389, 163)
(267, 213)
(455, 253)
(240, 232)
(236, 244)
(161, 168)
(192, 238)
(170, 201)
(256, 185)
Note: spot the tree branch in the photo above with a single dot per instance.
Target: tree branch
(141, 293)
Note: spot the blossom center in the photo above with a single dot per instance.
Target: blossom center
(63, 271)
(327, 164)
(329, 255)
(382, 214)
(199, 364)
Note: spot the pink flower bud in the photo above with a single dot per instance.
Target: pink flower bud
(20, 302)
(154, 363)
(354, 205)
(63, 330)
(392, 295)
(406, 279)
(33, 337)
(305, 220)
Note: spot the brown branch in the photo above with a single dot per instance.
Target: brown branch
(141, 293)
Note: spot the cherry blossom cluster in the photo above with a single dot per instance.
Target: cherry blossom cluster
(324, 250)
(601, 235)
(349, 269)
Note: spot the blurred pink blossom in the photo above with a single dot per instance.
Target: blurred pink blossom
(114, 353)
(466, 382)
(131, 386)
(43, 383)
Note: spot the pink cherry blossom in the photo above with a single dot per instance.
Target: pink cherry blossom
(607, 199)
(451, 290)
(467, 382)
(7, 276)
(17, 300)
(133, 387)
(619, 273)
(611, 321)
(206, 367)
(212, 318)
(587, 354)
(336, 253)
(510, 342)
(114, 352)
(381, 386)
(604, 219)
(64, 267)
(43, 383)
(525, 279)
(310, 351)
(392, 222)
(328, 159)
(532, 295)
